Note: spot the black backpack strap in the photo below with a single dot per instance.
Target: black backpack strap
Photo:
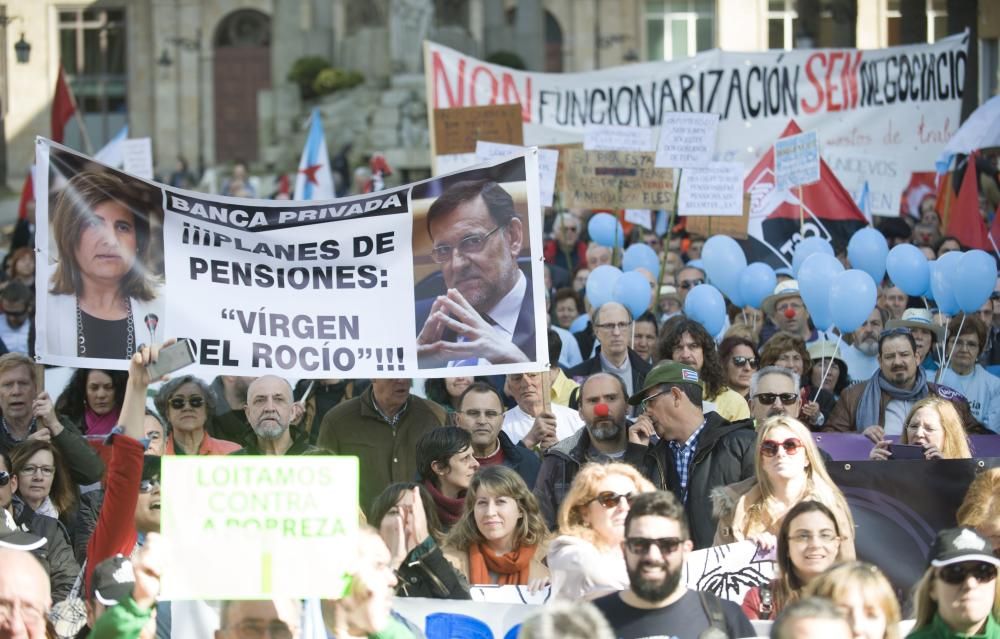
(716, 618)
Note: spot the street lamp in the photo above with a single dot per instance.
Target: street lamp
(194, 45)
(22, 50)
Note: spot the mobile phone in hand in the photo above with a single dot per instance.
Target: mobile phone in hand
(907, 451)
(172, 358)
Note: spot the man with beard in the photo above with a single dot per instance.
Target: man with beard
(271, 411)
(603, 404)
(480, 411)
(487, 313)
(774, 391)
(879, 406)
(862, 357)
(656, 603)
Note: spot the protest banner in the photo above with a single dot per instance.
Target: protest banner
(714, 190)
(883, 173)
(615, 180)
(261, 527)
(855, 446)
(796, 160)
(898, 507)
(707, 226)
(729, 571)
(906, 100)
(618, 138)
(687, 140)
(548, 160)
(300, 289)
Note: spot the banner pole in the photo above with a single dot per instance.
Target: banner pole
(671, 220)
(547, 391)
(802, 214)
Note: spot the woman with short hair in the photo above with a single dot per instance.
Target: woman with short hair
(445, 464)
(789, 351)
(501, 537)
(586, 559)
(188, 405)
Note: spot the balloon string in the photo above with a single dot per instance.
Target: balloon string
(941, 350)
(826, 371)
(961, 323)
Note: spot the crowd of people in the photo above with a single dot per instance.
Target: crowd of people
(645, 439)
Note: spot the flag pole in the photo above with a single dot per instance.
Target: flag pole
(802, 214)
(671, 220)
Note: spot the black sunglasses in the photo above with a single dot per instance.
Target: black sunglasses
(768, 398)
(641, 545)
(4, 478)
(740, 361)
(955, 574)
(609, 499)
(195, 401)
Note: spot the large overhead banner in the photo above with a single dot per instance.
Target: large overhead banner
(412, 281)
(903, 100)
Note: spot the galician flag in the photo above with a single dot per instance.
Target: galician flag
(314, 180)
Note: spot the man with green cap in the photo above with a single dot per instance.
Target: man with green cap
(696, 451)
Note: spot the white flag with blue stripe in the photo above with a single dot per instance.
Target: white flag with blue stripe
(314, 181)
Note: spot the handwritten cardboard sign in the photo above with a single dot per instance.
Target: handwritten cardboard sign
(796, 160)
(687, 139)
(615, 180)
(715, 189)
(458, 130)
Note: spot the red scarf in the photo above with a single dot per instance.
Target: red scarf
(512, 569)
(449, 510)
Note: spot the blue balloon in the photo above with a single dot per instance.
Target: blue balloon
(908, 269)
(724, 261)
(978, 271)
(606, 230)
(698, 264)
(757, 281)
(579, 323)
(815, 276)
(852, 299)
(942, 282)
(601, 284)
(641, 256)
(632, 291)
(807, 247)
(704, 304)
(867, 250)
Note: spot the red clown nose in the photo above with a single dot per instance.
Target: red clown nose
(789, 313)
(601, 410)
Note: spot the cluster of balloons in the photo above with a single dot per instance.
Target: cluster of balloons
(728, 274)
(627, 285)
(956, 281)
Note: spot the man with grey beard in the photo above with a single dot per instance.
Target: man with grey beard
(271, 411)
(603, 405)
(862, 357)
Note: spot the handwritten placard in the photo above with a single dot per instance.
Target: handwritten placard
(548, 161)
(137, 157)
(714, 189)
(615, 180)
(796, 160)
(618, 138)
(687, 139)
(458, 130)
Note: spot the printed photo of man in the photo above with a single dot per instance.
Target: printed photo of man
(486, 313)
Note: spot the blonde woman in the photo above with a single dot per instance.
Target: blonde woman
(789, 469)
(981, 507)
(501, 536)
(958, 594)
(586, 559)
(934, 424)
(865, 594)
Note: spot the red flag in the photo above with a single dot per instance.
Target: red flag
(965, 222)
(27, 195)
(63, 107)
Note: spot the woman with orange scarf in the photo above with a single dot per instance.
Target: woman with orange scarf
(501, 536)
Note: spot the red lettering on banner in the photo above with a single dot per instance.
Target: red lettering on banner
(831, 89)
(456, 98)
(512, 96)
(849, 78)
(814, 80)
(473, 86)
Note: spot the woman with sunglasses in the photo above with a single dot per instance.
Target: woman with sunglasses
(809, 542)
(934, 425)
(586, 559)
(789, 351)
(43, 482)
(789, 470)
(739, 361)
(188, 406)
(865, 594)
(501, 536)
(958, 594)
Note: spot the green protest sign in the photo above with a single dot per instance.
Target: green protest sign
(257, 527)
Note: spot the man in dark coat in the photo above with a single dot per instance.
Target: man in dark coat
(480, 411)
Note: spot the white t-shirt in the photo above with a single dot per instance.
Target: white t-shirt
(517, 423)
(860, 367)
(982, 389)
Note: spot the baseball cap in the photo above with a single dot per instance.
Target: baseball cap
(955, 545)
(112, 581)
(666, 372)
(13, 537)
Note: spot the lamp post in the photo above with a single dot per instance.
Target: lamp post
(193, 45)
(22, 50)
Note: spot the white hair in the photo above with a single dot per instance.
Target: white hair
(773, 370)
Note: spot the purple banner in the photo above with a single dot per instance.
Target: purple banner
(855, 446)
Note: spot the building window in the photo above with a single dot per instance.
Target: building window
(937, 21)
(93, 52)
(678, 28)
(782, 19)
